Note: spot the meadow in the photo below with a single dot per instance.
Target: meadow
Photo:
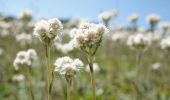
(124, 63)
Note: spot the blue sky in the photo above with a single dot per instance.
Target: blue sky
(88, 9)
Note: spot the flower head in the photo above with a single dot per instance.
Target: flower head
(165, 44)
(89, 34)
(48, 30)
(138, 41)
(24, 58)
(108, 15)
(24, 38)
(67, 66)
(153, 19)
(164, 26)
(26, 15)
(133, 18)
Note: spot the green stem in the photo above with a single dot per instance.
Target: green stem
(30, 83)
(68, 88)
(90, 61)
(49, 78)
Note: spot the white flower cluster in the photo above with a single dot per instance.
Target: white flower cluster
(165, 43)
(24, 58)
(18, 78)
(96, 68)
(107, 15)
(47, 30)
(119, 36)
(24, 38)
(133, 18)
(138, 41)
(164, 26)
(153, 19)
(89, 34)
(67, 47)
(26, 14)
(68, 66)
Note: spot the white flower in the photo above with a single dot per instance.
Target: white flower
(67, 66)
(26, 14)
(89, 34)
(96, 68)
(107, 15)
(138, 41)
(164, 26)
(24, 38)
(153, 19)
(32, 54)
(133, 18)
(48, 30)
(156, 66)
(142, 30)
(55, 25)
(18, 78)
(24, 58)
(165, 43)
(119, 36)
(66, 47)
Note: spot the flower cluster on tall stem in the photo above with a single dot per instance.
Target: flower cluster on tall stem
(69, 68)
(47, 31)
(89, 36)
(23, 61)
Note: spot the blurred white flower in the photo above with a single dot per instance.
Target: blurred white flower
(142, 30)
(133, 18)
(48, 30)
(119, 36)
(107, 15)
(165, 26)
(18, 78)
(68, 66)
(153, 37)
(96, 68)
(165, 43)
(138, 41)
(32, 54)
(24, 58)
(153, 19)
(25, 15)
(24, 39)
(66, 47)
(156, 66)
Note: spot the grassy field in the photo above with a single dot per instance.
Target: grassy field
(121, 75)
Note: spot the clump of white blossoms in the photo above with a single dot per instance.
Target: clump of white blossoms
(119, 36)
(138, 41)
(165, 44)
(89, 36)
(48, 30)
(66, 47)
(133, 18)
(26, 15)
(107, 16)
(96, 68)
(24, 58)
(153, 20)
(68, 66)
(18, 78)
(24, 39)
(165, 26)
